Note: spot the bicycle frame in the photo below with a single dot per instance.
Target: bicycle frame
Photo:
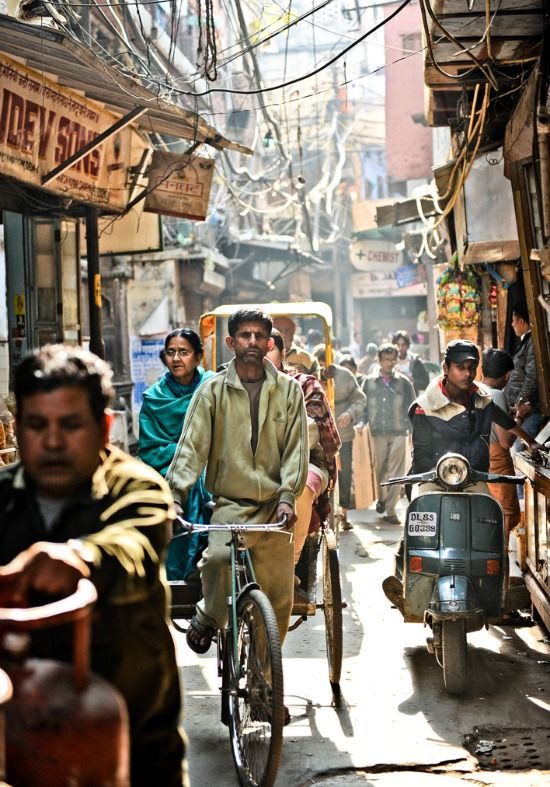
(243, 576)
(249, 658)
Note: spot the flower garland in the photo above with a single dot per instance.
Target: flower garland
(458, 297)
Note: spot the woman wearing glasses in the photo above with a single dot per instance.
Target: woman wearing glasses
(160, 421)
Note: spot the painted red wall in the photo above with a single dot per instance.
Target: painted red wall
(408, 144)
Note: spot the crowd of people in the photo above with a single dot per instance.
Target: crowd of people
(257, 438)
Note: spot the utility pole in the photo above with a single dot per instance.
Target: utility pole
(97, 345)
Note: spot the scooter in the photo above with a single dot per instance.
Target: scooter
(452, 562)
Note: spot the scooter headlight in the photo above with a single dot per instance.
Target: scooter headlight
(452, 470)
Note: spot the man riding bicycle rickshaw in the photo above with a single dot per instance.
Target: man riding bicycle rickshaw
(248, 426)
(321, 539)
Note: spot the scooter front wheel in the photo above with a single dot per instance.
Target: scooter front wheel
(454, 655)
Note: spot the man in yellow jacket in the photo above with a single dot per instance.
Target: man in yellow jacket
(248, 426)
(75, 506)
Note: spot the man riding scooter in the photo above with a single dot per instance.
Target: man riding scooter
(454, 415)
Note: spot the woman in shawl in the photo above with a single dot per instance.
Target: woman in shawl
(160, 422)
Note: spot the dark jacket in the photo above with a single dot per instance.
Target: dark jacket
(121, 519)
(388, 405)
(420, 375)
(416, 371)
(441, 426)
(348, 398)
(523, 377)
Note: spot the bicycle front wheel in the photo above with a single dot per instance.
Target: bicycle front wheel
(256, 710)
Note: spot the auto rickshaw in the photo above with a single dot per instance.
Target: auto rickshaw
(322, 539)
(213, 330)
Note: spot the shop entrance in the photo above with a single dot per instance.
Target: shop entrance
(42, 282)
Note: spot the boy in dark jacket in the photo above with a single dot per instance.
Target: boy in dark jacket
(410, 364)
(455, 414)
(76, 507)
(521, 390)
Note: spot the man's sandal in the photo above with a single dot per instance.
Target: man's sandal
(199, 637)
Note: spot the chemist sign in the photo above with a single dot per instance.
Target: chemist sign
(375, 255)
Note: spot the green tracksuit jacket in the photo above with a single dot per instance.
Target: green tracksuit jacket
(217, 432)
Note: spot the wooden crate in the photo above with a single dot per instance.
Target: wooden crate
(364, 470)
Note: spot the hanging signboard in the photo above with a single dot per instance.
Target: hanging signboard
(42, 124)
(375, 255)
(179, 185)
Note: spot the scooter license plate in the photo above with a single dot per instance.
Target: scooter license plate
(422, 523)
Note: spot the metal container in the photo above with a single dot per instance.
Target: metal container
(64, 725)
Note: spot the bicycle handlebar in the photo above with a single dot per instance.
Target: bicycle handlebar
(233, 527)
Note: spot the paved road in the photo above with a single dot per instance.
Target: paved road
(395, 724)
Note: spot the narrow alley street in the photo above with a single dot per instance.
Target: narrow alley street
(253, 252)
(395, 725)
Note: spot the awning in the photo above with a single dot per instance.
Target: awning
(387, 232)
(260, 248)
(365, 227)
(194, 251)
(76, 67)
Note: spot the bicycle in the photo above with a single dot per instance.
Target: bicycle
(249, 659)
(323, 541)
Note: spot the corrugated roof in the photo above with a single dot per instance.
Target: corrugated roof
(74, 66)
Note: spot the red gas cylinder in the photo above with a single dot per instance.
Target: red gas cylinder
(64, 726)
(6, 692)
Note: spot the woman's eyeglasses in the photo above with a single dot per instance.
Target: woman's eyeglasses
(171, 353)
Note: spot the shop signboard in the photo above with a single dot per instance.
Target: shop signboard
(407, 275)
(375, 255)
(135, 232)
(43, 124)
(380, 284)
(179, 185)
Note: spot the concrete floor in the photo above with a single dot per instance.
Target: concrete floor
(395, 724)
